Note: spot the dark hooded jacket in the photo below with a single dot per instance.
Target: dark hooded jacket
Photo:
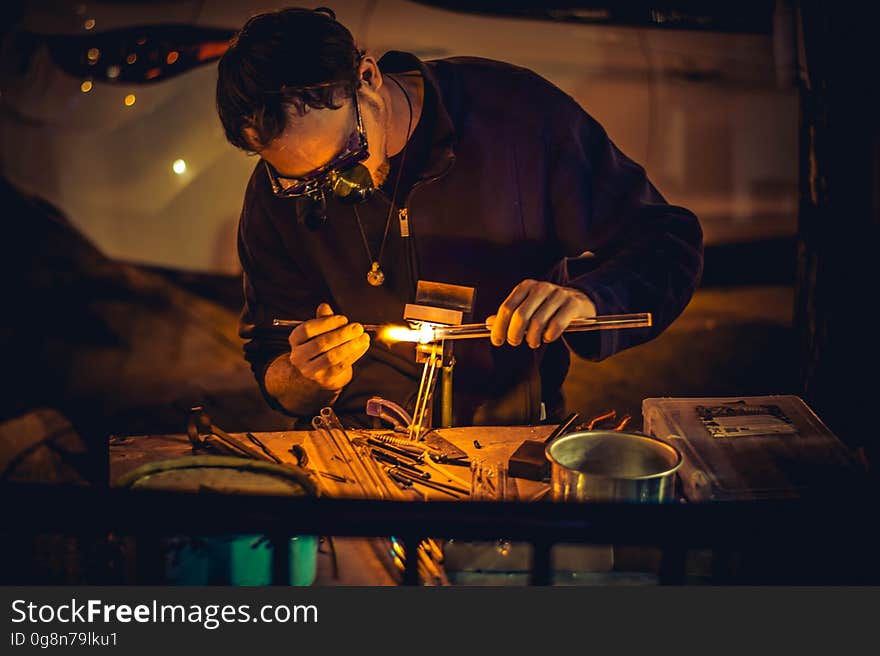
(506, 178)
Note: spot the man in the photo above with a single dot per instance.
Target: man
(486, 176)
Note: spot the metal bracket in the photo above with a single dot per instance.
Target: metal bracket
(439, 304)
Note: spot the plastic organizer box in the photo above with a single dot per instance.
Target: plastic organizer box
(750, 447)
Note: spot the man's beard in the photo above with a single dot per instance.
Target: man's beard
(381, 173)
(382, 117)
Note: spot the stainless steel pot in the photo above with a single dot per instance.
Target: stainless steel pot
(607, 465)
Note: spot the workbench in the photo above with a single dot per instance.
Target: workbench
(356, 558)
(817, 539)
(824, 538)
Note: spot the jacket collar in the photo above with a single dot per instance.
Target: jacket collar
(442, 153)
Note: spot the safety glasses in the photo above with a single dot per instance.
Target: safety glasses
(344, 176)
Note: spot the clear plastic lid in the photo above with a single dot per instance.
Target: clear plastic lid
(754, 447)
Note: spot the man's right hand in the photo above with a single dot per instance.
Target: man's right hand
(324, 349)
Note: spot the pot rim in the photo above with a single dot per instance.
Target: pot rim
(679, 458)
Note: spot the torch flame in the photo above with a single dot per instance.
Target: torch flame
(424, 334)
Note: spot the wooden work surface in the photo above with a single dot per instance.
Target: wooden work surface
(357, 561)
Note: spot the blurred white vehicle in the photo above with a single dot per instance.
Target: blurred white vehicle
(107, 109)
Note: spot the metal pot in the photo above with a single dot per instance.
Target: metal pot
(607, 465)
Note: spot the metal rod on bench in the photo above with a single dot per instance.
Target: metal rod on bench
(365, 473)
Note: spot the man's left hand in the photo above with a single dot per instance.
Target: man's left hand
(538, 312)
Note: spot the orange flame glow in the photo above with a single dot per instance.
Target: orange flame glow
(424, 334)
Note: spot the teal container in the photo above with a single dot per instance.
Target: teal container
(240, 560)
(237, 560)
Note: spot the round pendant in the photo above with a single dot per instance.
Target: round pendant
(375, 276)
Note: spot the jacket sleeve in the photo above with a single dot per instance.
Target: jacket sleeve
(638, 253)
(275, 286)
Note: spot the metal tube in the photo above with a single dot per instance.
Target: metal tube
(414, 425)
(391, 491)
(320, 424)
(480, 330)
(446, 416)
(426, 390)
(365, 476)
(605, 322)
(293, 323)
(436, 361)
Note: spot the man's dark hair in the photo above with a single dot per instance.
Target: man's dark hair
(282, 61)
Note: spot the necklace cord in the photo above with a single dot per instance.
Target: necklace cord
(400, 171)
(396, 186)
